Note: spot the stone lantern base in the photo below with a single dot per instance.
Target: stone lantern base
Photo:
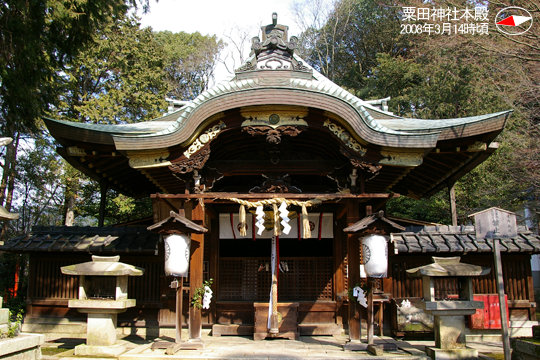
(100, 351)
(451, 354)
(101, 330)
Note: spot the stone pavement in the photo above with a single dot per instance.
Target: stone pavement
(243, 347)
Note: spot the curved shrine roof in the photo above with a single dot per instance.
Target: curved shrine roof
(271, 118)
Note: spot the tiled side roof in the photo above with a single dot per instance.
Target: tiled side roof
(460, 240)
(94, 240)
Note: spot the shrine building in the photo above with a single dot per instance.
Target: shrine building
(277, 134)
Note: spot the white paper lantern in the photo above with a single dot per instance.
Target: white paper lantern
(177, 249)
(375, 255)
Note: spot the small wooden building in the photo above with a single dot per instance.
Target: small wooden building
(277, 129)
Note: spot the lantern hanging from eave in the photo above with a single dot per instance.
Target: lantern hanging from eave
(177, 250)
(375, 256)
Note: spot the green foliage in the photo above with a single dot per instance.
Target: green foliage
(36, 39)
(345, 48)
(119, 80)
(38, 192)
(14, 325)
(196, 300)
(436, 209)
(118, 208)
(190, 62)
(9, 265)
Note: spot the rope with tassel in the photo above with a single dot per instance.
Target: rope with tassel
(242, 218)
(274, 203)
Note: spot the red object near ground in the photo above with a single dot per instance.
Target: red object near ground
(490, 316)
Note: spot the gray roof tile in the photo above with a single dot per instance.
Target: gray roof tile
(446, 239)
(89, 239)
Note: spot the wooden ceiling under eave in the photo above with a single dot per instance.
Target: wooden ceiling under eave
(103, 166)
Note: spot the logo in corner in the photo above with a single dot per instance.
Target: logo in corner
(513, 20)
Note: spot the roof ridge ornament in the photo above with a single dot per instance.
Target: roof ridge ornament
(274, 36)
(275, 51)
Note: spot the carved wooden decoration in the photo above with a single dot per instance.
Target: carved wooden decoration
(196, 161)
(148, 158)
(204, 139)
(402, 158)
(280, 184)
(274, 135)
(362, 164)
(345, 137)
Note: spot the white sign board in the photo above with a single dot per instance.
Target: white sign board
(495, 223)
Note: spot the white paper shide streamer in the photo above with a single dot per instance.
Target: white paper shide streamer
(284, 213)
(260, 219)
(360, 296)
(177, 249)
(207, 297)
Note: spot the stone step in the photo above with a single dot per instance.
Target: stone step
(48, 328)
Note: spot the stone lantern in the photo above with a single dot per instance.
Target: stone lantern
(103, 291)
(449, 314)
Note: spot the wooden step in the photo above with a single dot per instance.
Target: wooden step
(232, 329)
(320, 329)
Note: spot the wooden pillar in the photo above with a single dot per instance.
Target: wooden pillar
(370, 312)
(196, 273)
(500, 292)
(214, 267)
(104, 186)
(530, 290)
(353, 247)
(453, 209)
(339, 275)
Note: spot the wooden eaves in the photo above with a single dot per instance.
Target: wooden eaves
(301, 196)
(176, 223)
(368, 220)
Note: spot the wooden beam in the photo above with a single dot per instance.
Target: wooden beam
(166, 202)
(291, 167)
(228, 195)
(341, 211)
(211, 212)
(381, 204)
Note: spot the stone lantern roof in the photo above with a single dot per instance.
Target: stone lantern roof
(450, 266)
(103, 266)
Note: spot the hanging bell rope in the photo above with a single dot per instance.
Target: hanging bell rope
(277, 228)
(305, 221)
(242, 218)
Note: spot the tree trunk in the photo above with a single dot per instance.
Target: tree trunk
(70, 214)
(13, 174)
(11, 158)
